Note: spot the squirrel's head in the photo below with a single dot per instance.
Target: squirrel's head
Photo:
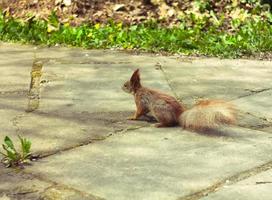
(133, 84)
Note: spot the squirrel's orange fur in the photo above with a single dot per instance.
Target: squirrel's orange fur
(168, 111)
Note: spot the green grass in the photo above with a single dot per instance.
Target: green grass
(248, 38)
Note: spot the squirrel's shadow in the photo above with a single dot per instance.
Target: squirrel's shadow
(209, 132)
(148, 118)
(214, 133)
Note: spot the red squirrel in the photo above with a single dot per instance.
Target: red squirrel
(206, 114)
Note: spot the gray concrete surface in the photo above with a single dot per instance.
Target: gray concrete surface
(19, 185)
(74, 112)
(215, 78)
(257, 187)
(157, 164)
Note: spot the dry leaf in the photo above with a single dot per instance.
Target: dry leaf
(119, 7)
(67, 2)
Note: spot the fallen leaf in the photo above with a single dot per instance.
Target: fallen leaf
(57, 2)
(98, 14)
(67, 2)
(119, 7)
(171, 12)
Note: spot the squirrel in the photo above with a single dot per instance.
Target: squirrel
(204, 115)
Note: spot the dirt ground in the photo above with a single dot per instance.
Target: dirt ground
(167, 12)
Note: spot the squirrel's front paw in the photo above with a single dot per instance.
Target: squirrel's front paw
(159, 125)
(131, 118)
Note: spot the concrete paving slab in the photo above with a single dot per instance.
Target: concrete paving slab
(257, 187)
(217, 78)
(151, 163)
(16, 185)
(267, 129)
(259, 104)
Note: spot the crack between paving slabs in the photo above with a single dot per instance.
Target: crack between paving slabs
(17, 92)
(262, 118)
(119, 131)
(228, 181)
(47, 154)
(61, 186)
(252, 92)
(159, 66)
(7, 193)
(259, 127)
(15, 122)
(267, 121)
(263, 182)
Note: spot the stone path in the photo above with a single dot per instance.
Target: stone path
(69, 103)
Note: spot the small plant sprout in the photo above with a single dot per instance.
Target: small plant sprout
(12, 157)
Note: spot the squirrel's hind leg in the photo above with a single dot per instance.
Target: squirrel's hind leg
(165, 119)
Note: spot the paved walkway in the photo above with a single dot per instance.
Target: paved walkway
(69, 103)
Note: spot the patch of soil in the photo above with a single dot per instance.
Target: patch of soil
(75, 12)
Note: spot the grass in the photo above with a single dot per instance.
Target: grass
(249, 37)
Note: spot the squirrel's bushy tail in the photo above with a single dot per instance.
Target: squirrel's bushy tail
(208, 114)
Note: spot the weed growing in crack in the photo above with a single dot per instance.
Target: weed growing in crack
(12, 157)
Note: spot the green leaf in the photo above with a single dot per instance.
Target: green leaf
(11, 153)
(25, 145)
(133, 28)
(9, 142)
(53, 19)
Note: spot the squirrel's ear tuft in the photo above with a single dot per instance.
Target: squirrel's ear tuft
(135, 75)
(137, 71)
(135, 79)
